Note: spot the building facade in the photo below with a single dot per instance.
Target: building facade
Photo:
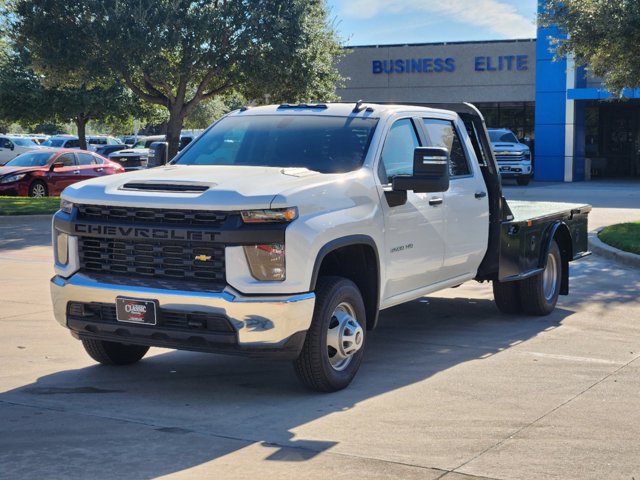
(577, 132)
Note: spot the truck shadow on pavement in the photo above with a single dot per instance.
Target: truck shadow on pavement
(178, 410)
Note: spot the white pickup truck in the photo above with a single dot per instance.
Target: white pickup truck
(284, 230)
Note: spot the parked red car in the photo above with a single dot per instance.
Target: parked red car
(46, 172)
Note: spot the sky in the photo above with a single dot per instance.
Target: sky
(380, 22)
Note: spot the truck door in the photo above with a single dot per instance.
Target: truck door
(414, 232)
(465, 204)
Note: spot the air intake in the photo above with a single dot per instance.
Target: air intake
(166, 187)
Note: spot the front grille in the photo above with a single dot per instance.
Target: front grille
(167, 318)
(180, 260)
(127, 162)
(150, 215)
(511, 157)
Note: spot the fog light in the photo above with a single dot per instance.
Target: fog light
(266, 262)
(62, 248)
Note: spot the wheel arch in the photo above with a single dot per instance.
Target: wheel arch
(354, 257)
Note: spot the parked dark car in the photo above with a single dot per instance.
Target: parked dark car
(46, 172)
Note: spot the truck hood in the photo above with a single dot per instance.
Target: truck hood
(509, 147)
(143, 152)
(226, 188)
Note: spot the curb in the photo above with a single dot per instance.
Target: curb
(607, 251)
(21, 219)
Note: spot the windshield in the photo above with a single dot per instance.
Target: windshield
(502, 136)
(31, 159)
(321, 143)
(24, 142)
(54, 142)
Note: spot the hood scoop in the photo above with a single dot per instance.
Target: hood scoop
(174, 187)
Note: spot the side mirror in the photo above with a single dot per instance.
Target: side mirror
(11, 146)
(57, 165)
(430, 172)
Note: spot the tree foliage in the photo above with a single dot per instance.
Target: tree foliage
(602, 34)
(178, 53)
(25, 98)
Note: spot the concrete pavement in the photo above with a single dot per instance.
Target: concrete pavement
(449, 388)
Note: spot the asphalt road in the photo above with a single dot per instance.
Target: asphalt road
(449, 387)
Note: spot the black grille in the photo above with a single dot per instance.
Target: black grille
(178, 319)
(180, 260)
(150, 215)
(127, 162)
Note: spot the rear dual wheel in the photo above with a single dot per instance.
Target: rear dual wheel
(536, 295)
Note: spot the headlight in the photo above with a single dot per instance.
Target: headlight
(278, 215)
(266, 262)
(12, 178)
(66, 206)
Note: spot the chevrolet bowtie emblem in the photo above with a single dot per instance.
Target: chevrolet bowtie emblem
(203, 258)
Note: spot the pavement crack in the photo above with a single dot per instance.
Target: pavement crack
(546, 414)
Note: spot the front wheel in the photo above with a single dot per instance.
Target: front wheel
(334, 346)
(38, 189)
(113, 353)
(523, 181)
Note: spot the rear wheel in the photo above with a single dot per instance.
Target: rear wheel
(38, 189)
(334, 346)
(113, 353)
(507, 296)
(523, 181)
(539, 294)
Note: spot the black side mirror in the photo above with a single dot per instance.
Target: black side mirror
(12, 146)
(430, 172)
(57, 165)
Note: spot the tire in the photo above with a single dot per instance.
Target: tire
(506, 296)
(539, 294)
(38, 189)
(523, 181)
(112, 353)
(334, 346)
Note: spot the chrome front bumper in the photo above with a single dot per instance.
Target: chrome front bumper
(261, 322)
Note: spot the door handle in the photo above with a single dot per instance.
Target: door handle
(99, 169)
(481, 194)
(76, 172)
(435, 201)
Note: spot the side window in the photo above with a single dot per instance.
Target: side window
(5, 143)
(442, 133)
(397, 153)
(72, 144)
(86, 159)
(68, 159)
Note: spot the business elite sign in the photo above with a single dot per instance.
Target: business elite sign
(500, 63)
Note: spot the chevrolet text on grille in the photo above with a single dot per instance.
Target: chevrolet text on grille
(136, 232)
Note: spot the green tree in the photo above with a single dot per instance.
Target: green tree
(604, 35)
(25, 98)
(178, 53)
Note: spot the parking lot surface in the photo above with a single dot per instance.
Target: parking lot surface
(449, 388)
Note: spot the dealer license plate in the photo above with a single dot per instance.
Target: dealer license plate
(135, 310)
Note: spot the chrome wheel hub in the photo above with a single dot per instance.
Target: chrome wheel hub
(550, 278)
(38, 190)
(345, 336)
